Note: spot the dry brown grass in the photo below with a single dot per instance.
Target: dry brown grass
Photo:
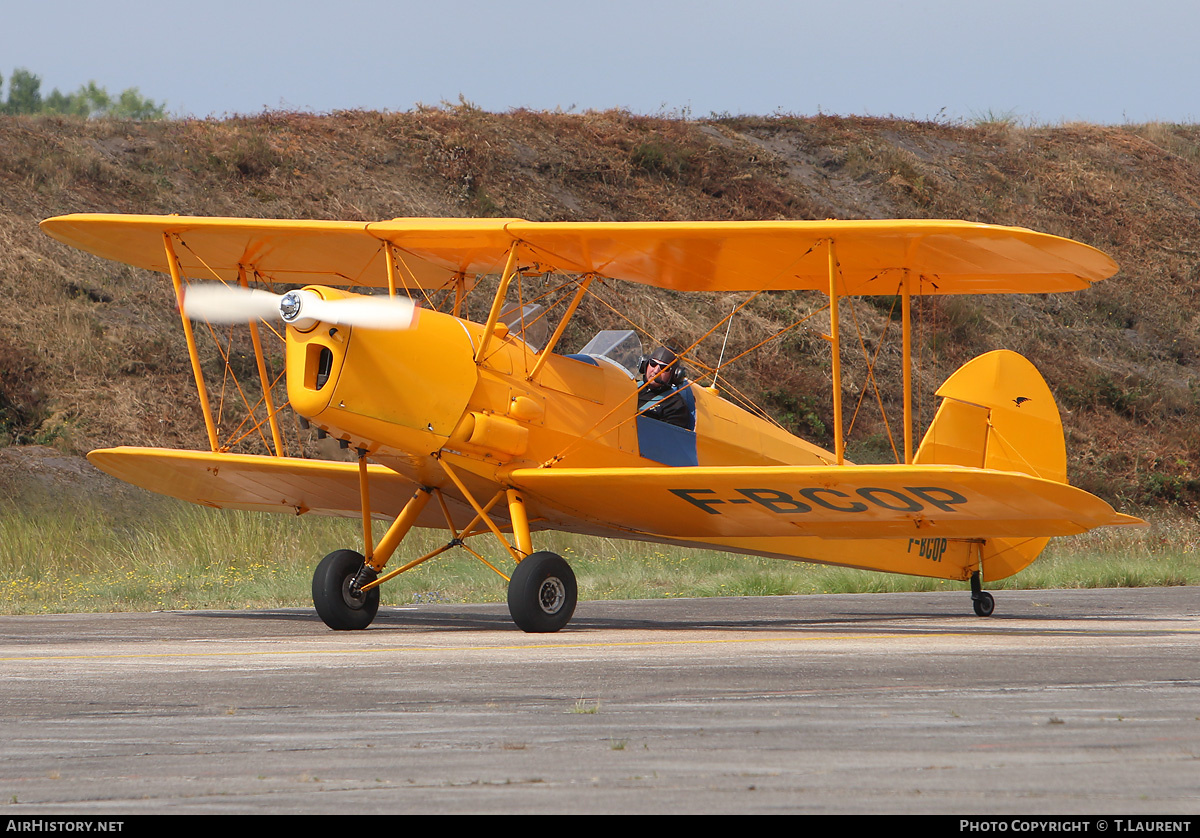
(92, 354)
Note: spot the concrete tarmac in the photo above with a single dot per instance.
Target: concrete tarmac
(1064, 702)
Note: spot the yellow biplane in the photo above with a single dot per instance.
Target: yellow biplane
(509, 435)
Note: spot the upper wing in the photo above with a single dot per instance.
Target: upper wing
(943, 257)
(873, 257)
(244, 481)
(340, 253)
(829, 502)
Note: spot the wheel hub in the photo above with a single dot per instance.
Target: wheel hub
(352, 593)
(551, 595)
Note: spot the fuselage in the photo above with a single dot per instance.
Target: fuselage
(412, 397)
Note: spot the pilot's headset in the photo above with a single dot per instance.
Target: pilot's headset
(665, 356)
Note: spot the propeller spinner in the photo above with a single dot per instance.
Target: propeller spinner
(302, 308)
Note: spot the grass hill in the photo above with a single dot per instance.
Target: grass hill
(91, 352)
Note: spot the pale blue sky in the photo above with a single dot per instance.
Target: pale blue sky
(1045, 61)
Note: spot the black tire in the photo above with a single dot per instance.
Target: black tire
(542, 593)
(984, 604)
(336, 606)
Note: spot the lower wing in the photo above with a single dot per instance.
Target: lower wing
(245, 481)
(824, 501)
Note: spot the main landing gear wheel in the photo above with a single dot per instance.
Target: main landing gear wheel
(542, 593)
(336, 594)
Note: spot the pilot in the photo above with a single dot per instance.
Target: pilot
(666, 394)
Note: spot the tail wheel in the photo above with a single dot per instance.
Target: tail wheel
(542, 593)
(984, 604)
(336, 595)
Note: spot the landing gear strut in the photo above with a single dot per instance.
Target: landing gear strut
(983, 602)
(337, 591)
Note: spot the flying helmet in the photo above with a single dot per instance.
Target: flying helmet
(667, 357)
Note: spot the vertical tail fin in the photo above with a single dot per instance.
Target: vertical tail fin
(997, 412)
